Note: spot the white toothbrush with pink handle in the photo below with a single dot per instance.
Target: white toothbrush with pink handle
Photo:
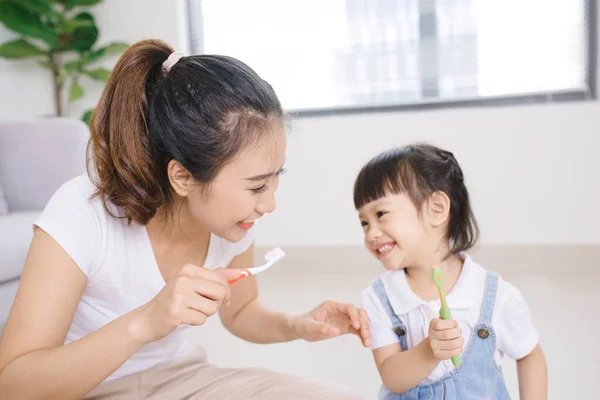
(271, 257)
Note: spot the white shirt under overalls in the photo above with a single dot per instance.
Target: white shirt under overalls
(515, 332)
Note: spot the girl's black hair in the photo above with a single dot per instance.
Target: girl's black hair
(419, 170)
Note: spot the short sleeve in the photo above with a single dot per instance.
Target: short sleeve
(69, 219)
(516, 333)
(382, 328)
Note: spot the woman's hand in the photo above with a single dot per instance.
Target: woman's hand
(191, 297)
(332, 319)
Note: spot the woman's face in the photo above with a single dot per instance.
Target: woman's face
(243, 191)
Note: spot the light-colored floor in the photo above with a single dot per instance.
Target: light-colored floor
(565, 306)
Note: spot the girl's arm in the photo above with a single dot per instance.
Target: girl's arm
(402, 370)
(34, 363)
(533, 376)
(248, 319)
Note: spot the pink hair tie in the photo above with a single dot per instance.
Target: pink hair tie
(172, 60)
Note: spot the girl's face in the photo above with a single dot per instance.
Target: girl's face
(396, 233)
(242, 192)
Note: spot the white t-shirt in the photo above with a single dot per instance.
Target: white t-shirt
(120, 266)
(516, 335)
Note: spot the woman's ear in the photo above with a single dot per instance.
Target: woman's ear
(438, 208)
(180, 178)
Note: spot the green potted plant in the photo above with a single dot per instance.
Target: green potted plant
(62, 34)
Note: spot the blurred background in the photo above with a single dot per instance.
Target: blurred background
(508, 86)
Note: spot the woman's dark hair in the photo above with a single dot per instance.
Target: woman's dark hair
(419, 170)
(201, 113)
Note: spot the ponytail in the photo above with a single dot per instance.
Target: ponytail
(123, 167)
(200, 110)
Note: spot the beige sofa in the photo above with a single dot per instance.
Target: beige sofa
(36, 157)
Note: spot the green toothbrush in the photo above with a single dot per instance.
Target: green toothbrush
(438, 278)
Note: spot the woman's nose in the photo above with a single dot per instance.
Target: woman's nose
(267, 203)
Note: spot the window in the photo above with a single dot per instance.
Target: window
(350, 55)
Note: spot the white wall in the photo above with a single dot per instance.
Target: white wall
(533, 171)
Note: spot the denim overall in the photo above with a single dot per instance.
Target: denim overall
(478, 376)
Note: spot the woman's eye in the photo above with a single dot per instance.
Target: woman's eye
(363, 223)
(380, 214)
(260, 189)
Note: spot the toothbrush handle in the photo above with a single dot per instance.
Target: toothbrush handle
(446, 315)
(243, 274)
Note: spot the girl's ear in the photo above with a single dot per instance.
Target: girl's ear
(438, 208)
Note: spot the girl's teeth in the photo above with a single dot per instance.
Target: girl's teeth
(385, 248)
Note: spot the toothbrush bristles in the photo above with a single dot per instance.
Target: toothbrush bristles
(274, 254)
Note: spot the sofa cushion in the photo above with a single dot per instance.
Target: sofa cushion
(16, 231)
(3, 205)
(7, 296)
(37, 157)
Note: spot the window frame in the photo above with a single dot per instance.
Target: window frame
(559, 96)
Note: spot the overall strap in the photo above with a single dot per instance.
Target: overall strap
(489, 298)
(380, 291)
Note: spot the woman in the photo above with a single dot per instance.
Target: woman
(186, 155)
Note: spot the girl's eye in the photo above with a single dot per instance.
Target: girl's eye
(363, 223)
(259, 189)
(380, 214)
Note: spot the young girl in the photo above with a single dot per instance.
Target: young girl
(186, 156)
(415, 211)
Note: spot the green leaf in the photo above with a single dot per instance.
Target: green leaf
(108, 50)
(72, 66)
(63, 75)
(91, 57)
(75, 92)
(100, 74)
(70, 25)
(19, 48)
(84, 38)
(67, 69)
(42, 8)
(87, 116)
(46, 64)
(74, 3)
(24, 22)
(115, 48)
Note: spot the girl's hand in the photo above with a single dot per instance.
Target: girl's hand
(191, 297)
(332, 319)
(445, 338)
